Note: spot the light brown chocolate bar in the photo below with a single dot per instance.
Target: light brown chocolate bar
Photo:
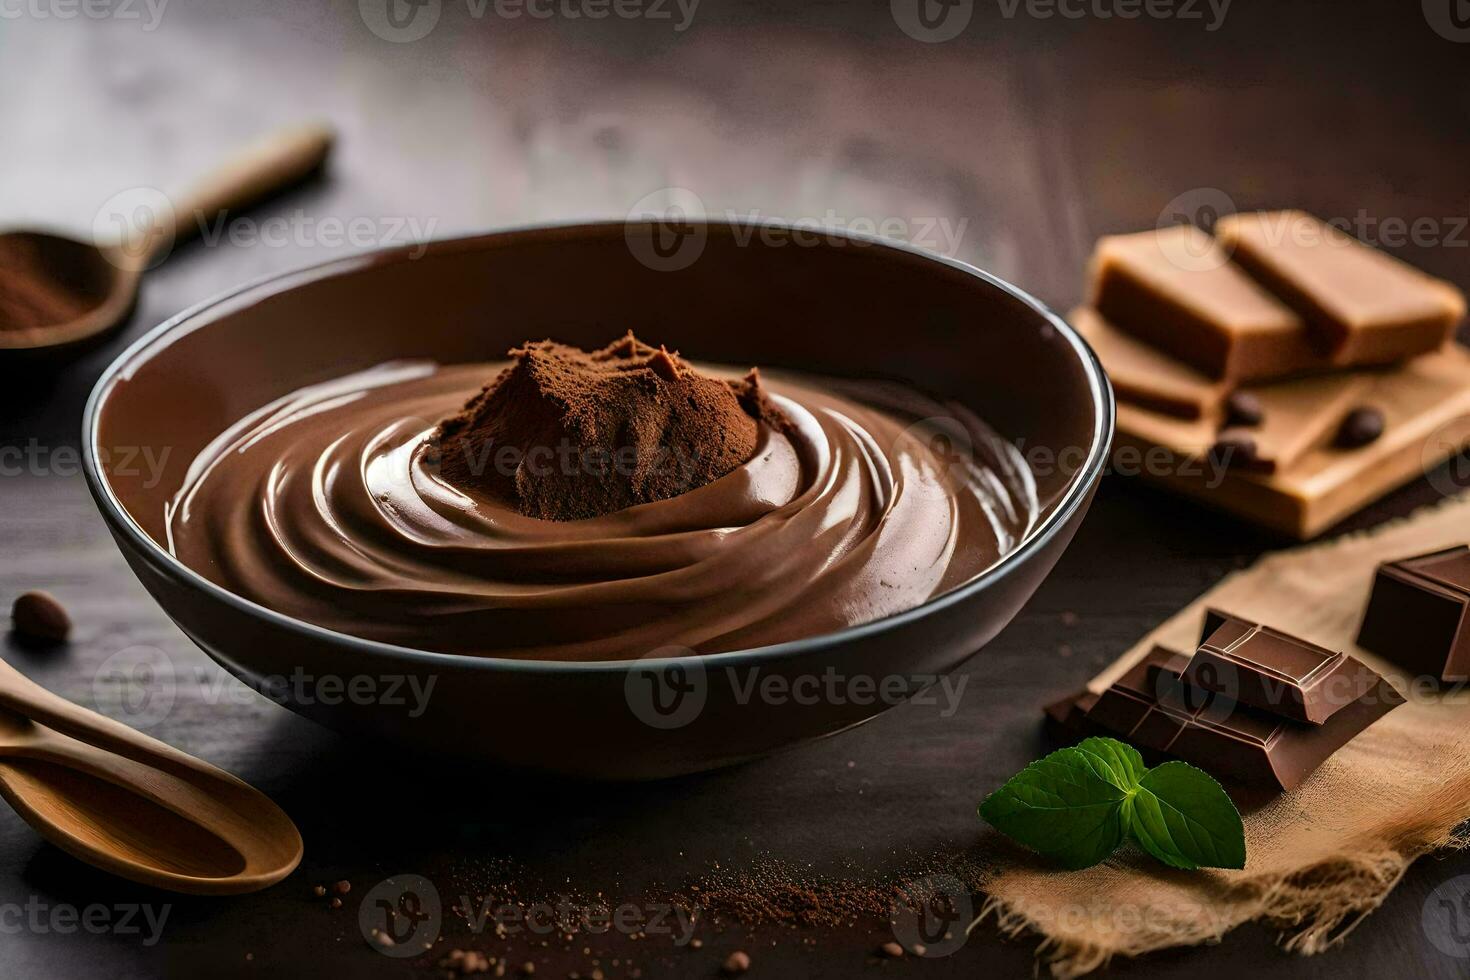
(1176, 290)
(1297, 417)
(1426, 406)
(1148, 377)
(1365, 305)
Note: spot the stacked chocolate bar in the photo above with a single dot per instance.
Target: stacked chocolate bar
(1253, 705)
(1286, 371)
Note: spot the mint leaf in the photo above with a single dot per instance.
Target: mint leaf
(1182, 816)
(1076, 805)
(1121, 764)
(1067, 807)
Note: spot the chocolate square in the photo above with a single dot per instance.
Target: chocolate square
(1416, 616)
(1276, 672)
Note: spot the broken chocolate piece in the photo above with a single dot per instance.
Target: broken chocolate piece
(1176, 290)
(1359, 427)
(1416, 616)
(1272, 670)
(1366, 306)
(1155, 710)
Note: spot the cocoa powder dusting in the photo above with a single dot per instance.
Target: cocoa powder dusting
(30, 296)
(564, 434)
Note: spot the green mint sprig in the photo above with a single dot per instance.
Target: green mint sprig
(1078, 804)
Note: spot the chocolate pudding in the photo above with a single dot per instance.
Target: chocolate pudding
(598, 505)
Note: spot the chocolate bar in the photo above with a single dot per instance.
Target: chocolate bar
(1176, 290)
(1426, 409)
(1299, 416)
(1155, 710)
(1296, 418)
(1065, 717)
(1365, 305)
(1148, 377)
(1416, 614)
(1275, 671)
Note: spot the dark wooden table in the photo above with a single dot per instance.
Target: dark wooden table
(1029, 136)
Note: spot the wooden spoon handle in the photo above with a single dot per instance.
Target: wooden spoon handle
(23, 696)
(149, 782)
(269, 166)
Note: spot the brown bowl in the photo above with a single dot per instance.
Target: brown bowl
(838, 305)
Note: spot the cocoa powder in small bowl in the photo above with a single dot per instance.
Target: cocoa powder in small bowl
(45, 282)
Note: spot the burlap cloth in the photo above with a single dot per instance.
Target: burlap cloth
(1319, 858)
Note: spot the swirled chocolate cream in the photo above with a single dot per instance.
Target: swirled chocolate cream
(597, 505)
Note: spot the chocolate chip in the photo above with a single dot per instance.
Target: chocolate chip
(1243, 408)
(1234, 446)
(1359, 427)
(39, 618)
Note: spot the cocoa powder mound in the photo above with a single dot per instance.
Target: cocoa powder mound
(564, 434)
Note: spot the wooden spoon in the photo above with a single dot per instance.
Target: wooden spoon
(132, 805)
(79, 291)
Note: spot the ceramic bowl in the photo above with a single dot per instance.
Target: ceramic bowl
(831, 304)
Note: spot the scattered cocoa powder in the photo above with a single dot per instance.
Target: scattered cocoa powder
(463, 962)
(564, 434)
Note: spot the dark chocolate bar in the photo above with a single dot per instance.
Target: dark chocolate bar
(1153, 709)
(1065, 716)
(1275, 671)
(1416, 614)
